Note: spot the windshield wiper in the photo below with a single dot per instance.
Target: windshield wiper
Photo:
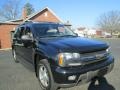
(69, 36)
(49, 36)
(58, 36)
(53, 36)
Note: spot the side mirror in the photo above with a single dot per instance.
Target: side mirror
(26, 38)
(76, 34)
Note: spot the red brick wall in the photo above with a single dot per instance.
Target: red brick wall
(5, 38)
(45, 16)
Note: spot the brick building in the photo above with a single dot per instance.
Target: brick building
(6, 27)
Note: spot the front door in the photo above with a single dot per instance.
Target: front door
(27, 48)
(24, 47)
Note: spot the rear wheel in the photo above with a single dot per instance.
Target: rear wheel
(45, 76)
(15, 56)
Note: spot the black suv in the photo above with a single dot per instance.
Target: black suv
(59, 57)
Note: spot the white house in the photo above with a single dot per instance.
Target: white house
(88, 32)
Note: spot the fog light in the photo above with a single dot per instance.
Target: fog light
(73, 77)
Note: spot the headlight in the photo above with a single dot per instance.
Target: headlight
(69, 59)
(108, 50)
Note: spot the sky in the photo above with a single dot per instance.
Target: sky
(78, 12)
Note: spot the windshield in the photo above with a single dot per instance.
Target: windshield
(52, 30)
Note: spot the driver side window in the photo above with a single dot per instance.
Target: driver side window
(25, 33)
(22, 32)
(28, 32)
(19, 32)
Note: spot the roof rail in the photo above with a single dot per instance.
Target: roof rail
(30, 21)
(27, 21)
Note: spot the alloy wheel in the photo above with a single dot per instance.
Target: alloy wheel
(43, 76)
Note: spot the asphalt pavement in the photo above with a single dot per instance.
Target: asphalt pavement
(15, 76)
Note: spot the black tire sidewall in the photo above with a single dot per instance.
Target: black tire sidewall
(52, 85)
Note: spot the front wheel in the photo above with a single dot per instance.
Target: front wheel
(45, 76)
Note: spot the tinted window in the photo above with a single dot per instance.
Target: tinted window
(28, 32)
(22, 31)
(17, 33)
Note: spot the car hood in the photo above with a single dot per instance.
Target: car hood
(74, 44)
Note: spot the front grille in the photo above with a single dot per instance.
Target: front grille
(93, 57)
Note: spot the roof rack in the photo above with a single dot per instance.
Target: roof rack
(28, 21)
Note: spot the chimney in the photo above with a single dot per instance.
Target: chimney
(24, 13)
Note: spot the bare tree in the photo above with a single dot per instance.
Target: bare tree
(110, 21)
(10, 10)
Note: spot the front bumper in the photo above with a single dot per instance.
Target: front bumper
(83, 74)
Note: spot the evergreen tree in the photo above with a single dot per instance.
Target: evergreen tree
(29, 8)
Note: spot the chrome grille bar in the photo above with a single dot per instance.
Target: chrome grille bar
(93, 57)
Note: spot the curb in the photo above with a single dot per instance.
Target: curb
(6, 49)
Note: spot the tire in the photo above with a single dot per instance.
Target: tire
(15, 56)
(45, 76)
